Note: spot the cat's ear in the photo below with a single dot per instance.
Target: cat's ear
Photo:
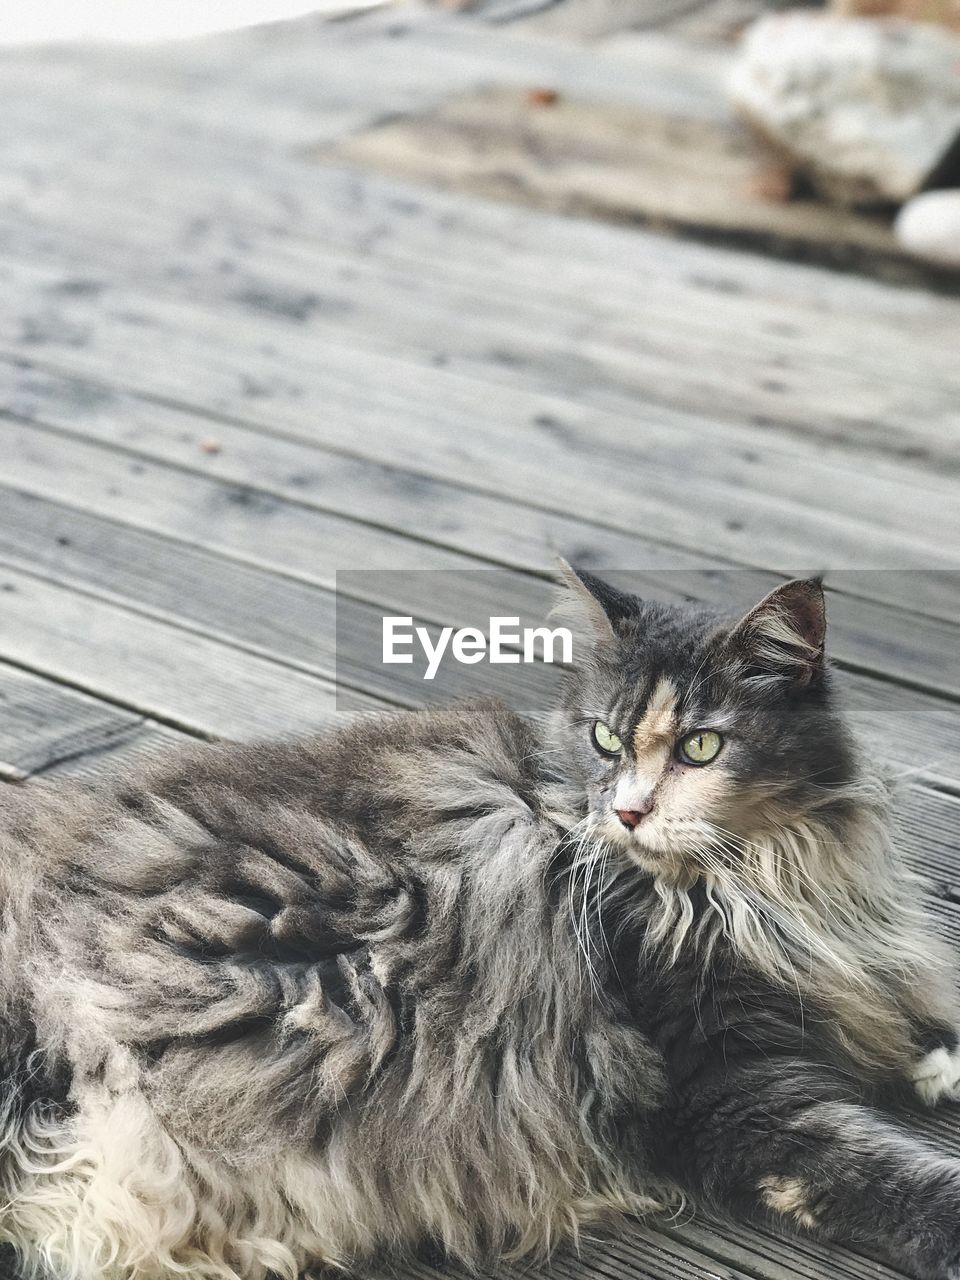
(591, 604)
(783, 635)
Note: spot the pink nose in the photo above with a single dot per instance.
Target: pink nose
(633, 817)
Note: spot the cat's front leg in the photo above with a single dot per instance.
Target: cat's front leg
(781, 1140)
(936, 1073)
(927, 994)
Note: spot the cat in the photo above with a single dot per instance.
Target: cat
(451, 976)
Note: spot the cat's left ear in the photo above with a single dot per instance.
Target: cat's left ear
(784, 634)
(592, 605)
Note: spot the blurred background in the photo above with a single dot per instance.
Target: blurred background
(24, 22)
(839, 108)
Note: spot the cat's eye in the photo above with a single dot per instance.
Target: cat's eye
(699, 747)
(606, 740)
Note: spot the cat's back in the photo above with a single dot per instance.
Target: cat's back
(288, 901)
(269, 850)
(386, 782)
(353, 774)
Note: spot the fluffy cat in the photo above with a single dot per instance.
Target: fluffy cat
(448, 976)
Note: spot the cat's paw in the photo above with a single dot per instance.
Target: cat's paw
(936, 1077)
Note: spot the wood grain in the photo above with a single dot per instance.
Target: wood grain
(276, 499)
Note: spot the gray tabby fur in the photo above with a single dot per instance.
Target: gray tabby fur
(274, 1005)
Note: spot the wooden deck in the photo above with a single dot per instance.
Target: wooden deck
(235, 358)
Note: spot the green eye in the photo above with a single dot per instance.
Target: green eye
(699, 747)
(607, 741)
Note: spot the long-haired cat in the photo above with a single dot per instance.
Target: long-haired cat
(446, 977)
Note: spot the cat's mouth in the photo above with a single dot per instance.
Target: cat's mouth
(646, 841)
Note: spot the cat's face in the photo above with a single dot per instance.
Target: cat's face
(689, 734)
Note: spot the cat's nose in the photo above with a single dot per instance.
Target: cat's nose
(633, 817)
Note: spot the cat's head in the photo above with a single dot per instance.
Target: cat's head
(690, 735)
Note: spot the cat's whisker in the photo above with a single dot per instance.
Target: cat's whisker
(581, 871)
(603, 885)
(571, 898)
(595, 853)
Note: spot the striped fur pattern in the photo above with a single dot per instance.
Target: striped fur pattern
(323, 1001)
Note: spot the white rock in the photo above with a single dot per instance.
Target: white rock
(866, 107)
(929, 226)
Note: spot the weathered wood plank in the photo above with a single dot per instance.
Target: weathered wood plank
(89, 762)
(610, 472)
(181, 678)
(769, 1256)
(666, 169)
(250, 522)
(749, 325)
(930, 821)
(400, 223)
(701, 24)
(655, 1254)
(264, 612)
(259, 613)
(265, 84)
(396, 223)
(726, 356)
(800, 532)
(65, 322)
(43, 724)
(910, 729)
(290, 538)
(753, 327)
(697, 91)
(661, 1251)
(706, 24)
(294, 623)
(598, 21)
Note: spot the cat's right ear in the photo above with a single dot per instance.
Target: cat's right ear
(783, 635)
(590, 604)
